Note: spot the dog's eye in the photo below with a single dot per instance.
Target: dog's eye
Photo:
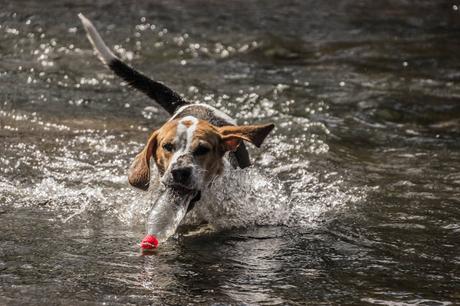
(201, 150)
(168, 147)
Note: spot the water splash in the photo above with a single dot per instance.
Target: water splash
(248, 197)
(75, 182)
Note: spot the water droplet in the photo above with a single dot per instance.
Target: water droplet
(193, 89)
(224, 53)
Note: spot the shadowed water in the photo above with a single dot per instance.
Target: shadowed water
(353, 199)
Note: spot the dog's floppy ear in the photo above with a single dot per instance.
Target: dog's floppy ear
(139, 172)
(233, 135)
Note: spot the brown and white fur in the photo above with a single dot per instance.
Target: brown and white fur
(189, 150)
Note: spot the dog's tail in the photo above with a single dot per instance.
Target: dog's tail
(166, 97)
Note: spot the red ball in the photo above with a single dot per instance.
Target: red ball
(149, 242)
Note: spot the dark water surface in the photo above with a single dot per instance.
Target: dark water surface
(353, 200)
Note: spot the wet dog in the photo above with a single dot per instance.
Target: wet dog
(193, 146)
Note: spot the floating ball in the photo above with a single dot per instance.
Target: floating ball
(149, 242)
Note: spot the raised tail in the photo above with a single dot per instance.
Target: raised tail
(166, 97)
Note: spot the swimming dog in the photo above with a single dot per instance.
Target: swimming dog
(193, 146)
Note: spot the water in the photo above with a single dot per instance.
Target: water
(354, 199)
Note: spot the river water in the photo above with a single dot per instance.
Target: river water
(352, 200)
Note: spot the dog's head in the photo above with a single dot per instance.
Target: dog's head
(189, 152)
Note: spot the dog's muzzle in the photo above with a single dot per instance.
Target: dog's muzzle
(180, 179)
(182, 175)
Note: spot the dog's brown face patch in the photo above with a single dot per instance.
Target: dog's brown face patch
(165, 147)
(207, 149)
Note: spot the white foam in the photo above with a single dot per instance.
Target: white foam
(239, 198)
(248, 197)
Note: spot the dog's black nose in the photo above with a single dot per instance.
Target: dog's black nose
(181, 175)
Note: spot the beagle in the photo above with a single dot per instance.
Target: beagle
(189, 150)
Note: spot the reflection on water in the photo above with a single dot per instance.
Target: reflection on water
(353, 200)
